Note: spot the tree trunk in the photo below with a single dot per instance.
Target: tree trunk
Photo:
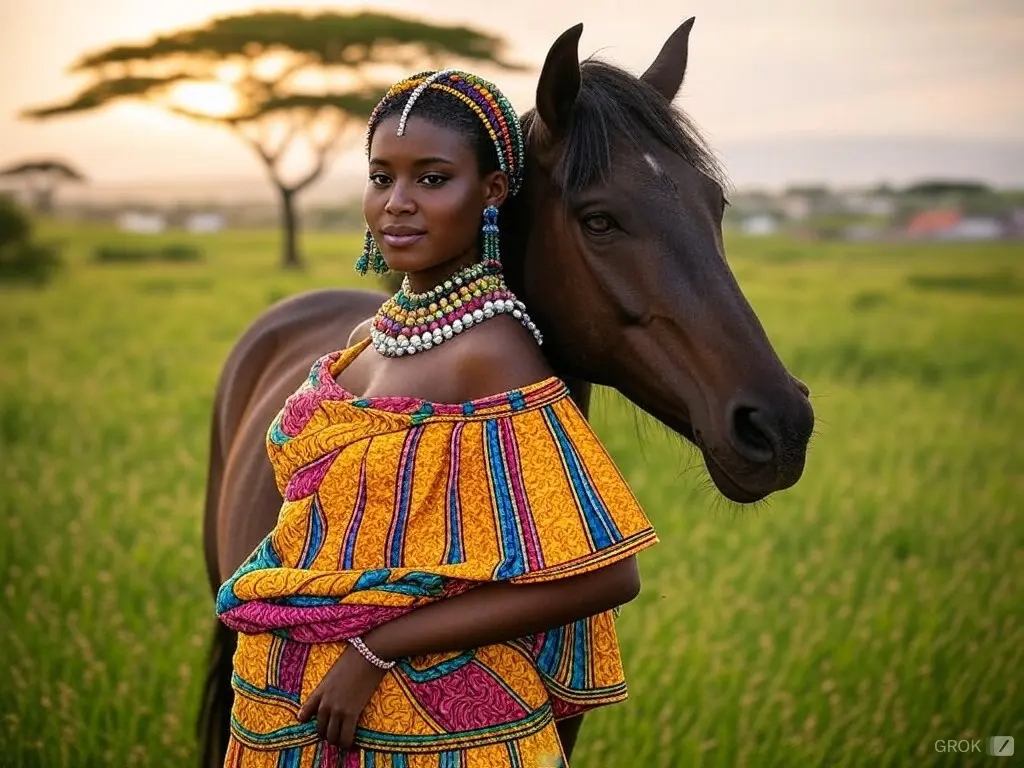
(290, 258)
(43, 202)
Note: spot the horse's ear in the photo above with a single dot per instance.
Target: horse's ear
(667, 72)
(559, 82)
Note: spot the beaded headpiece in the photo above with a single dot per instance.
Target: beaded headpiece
(482, 97)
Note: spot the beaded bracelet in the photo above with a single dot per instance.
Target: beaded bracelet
(370, 656)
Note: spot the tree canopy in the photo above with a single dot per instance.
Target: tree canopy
(287, 83)
(57, 168)
(42, 176)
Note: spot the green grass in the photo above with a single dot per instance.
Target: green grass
(852, 621)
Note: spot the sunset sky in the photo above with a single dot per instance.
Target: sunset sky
(759, 71)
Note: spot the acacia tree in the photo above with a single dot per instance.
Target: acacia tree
(289, 84)
(41, 178)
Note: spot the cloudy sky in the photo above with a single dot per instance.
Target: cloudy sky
(759, 72)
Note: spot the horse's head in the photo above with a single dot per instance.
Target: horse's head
(625, 271)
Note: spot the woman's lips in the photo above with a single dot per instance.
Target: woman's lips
(403, 241)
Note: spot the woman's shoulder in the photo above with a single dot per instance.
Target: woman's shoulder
(498, 356)
(360, 333)
(493, 358)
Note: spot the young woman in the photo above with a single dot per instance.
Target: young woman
(441, 585)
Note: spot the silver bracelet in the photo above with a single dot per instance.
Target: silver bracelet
(370, 656)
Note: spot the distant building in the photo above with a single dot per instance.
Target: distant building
(975, 228)
(951, 224)
(868, 204)
(931, 222)
(1014, 225)
(759, 225)
(205, 223)
(796, 207)
(142, 222)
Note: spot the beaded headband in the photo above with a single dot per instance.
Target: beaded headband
(482, 97)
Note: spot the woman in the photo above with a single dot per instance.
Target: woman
(440, 587)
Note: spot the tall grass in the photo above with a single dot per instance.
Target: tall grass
(851, 621)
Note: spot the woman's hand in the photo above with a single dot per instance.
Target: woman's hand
(341, 697)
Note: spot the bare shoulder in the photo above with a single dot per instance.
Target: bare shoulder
(498, 356)
(360, 332)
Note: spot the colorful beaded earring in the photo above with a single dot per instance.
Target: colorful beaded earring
(371, 257)
(492, 236)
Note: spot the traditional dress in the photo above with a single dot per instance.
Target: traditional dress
(390, 504)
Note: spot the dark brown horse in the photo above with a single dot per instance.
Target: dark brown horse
(622, 267)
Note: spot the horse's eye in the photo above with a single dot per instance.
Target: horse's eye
(599, 223)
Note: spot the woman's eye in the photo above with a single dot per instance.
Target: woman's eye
(599, 223)
(379, 179)
(433, 179)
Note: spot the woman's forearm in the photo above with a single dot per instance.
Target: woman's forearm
(494, 613)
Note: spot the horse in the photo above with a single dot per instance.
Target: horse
(622, 266)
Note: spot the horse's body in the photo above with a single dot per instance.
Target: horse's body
(621, 267)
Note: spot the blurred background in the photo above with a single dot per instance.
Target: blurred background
(167, 171)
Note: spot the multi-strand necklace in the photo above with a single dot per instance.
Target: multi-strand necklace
(409, 322)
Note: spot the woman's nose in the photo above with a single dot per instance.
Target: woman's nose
(398, 201)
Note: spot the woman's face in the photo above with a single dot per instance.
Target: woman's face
(425, 198)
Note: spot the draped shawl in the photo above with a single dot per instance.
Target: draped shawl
(390, 503)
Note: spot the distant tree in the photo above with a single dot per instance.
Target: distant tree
(809, 191)
(287, 83)
(947, 188)
(21, 259)
(41, 178)
(15, 226)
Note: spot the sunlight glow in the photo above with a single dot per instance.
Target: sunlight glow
(211, 99)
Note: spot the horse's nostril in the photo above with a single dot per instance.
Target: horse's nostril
(750, 436)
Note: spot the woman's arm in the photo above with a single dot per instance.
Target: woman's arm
(496, 612)
(488, 614)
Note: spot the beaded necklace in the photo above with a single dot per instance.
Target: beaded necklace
(409, 322)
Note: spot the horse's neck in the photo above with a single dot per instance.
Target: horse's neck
(579, 390)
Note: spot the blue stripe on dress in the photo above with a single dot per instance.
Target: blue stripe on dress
(405, 478)
(600, 524)
(438, 670)
(580, 655)
(263, 557)
(348, 552)
(371, 579)
(289, 758)
(550, 655)
(277, 435)
(309, 601)
(455, 547)
(314, 534)
(512, 563)
(271, 692)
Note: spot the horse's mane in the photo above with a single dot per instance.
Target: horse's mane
(613, 104)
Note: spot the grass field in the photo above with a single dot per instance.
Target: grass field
(852, 621)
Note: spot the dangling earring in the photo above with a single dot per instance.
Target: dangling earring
(492, 238)
(371, 257)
